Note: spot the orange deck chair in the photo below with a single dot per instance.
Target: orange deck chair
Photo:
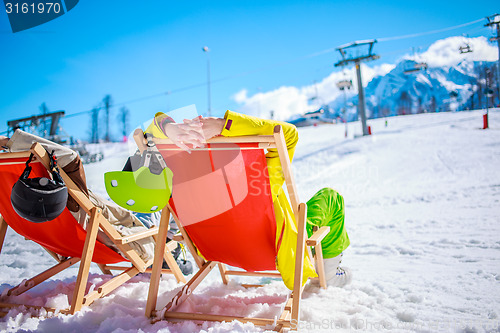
(66, 241)
(221, 201)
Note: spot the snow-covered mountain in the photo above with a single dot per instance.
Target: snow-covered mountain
(448, 83)
(433, 89)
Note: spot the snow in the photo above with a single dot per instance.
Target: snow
(443, 53)
(422, 211)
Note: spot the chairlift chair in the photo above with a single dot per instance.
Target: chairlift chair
(416, 68)
(421, 65)
(344, 84)
(465, 49)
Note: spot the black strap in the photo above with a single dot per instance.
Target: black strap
(29, 159)
(56, 176)
(27, 169)
(149, 138)
(54, 169)
(151, 157)
(53, 160)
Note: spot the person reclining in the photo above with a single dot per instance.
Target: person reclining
(124, 221)
(325, 208)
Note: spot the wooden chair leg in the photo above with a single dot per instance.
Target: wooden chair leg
(222, 270)
(309, 252)
(285, 315)
(279, 328)
(109, 286)
(169, 258)
(88, 251)
(28, 284)
(130, 253)
(3, 231)
(189, 287)
(174, 268)
(27, 306)
(104, 270)
(189, 243)
(299, 261)
(53, 255)
(320, 267)
(157, 262)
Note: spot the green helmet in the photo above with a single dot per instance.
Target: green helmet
(147, 189)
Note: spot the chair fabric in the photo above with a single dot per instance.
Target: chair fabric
(218, 197)
(62, 235)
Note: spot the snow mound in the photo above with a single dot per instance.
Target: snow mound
(422, 198)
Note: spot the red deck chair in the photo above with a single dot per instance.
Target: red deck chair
(221, 201)
(67, 241)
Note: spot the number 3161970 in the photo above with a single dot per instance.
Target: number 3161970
(40, 8)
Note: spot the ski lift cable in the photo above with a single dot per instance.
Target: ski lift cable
(184, 88)
(279, 64)
(140, 99)
(475, 30)
(212, 81)
(275, 65)
(386, 39)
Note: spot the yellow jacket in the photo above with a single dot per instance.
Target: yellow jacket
(240, 125)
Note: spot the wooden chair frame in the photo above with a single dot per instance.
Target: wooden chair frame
(97, 221)
(291, 311)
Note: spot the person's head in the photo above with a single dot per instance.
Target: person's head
(3, 141)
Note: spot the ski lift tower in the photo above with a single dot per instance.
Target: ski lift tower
(494, 20)
(347, 59)
(37, 125)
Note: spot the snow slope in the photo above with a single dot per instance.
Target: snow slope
(422, 211)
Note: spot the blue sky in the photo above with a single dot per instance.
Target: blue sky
(136, 49)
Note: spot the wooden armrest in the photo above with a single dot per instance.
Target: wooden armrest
(140, 235)
(178, 238)
(318, 236)
(5, 155)
(172, 245)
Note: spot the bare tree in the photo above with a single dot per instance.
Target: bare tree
(94, 134)
(420, 107)
(432, 104)
(404, 103)
(44, 109)
(107, 104)
(124, 120)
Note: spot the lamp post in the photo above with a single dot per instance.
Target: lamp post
(206, 50)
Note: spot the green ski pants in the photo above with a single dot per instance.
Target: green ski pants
(326, 208)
